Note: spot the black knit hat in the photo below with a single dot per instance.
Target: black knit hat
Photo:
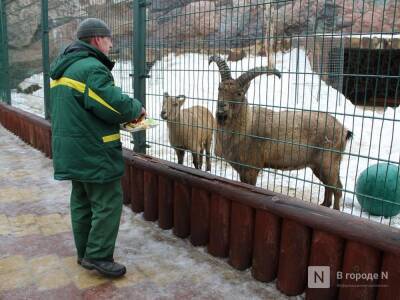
(92, 27)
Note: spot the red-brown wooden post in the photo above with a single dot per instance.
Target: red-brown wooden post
(14, 123)
(26, 129)
(47, 142)
(125, 184)
(389, 283)
(181, 210)
(6, 120)
(150, 196)
(42, 133)
(219, 226)
(293, 258)
(31, 134)
(11, 121)
(326, 250)
(38, 139)
(137, 189)
(267, 236)
(359, 260)
(23, 133)
(241, 236)
(18, 126)
(44, 139)
(165, 203)
(199, 217)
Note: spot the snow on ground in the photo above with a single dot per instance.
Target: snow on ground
(299, 88)
(158, 263)
(183, 258)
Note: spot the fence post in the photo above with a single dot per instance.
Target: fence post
(5, 91)
(45, 58)
(139, 65)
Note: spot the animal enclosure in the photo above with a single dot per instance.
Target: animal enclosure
(332, 109)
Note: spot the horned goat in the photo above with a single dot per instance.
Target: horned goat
(189, 129)
(254, 137)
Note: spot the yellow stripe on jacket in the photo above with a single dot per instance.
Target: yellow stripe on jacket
(111, 138)
(80, 87)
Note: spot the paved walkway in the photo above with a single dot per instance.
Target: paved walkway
(37, 254)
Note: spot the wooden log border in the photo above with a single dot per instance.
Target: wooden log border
(278, 237)
(32, 129)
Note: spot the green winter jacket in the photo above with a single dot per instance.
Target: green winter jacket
(86, 112)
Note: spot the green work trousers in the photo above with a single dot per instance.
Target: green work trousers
(95, 214)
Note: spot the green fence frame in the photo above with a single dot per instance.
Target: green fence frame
(45, 57)
(139, 62)
(5, 91)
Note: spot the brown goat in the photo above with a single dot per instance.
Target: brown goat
(189, 129)
(254, 138)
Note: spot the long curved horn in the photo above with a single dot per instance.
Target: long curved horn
(222, 66)
(245, 78)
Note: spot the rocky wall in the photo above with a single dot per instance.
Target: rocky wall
(191, 24)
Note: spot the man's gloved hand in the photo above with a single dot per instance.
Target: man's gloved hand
(141, 117)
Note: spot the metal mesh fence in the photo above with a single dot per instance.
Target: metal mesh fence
(324, 68)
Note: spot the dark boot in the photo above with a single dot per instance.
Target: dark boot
(79, 261)
(105, 267)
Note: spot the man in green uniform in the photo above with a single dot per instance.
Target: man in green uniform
(86, 112)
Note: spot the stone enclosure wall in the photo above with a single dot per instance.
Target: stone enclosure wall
(191, 24)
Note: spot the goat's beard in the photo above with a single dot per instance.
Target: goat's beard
(221, 122)
(223, 117)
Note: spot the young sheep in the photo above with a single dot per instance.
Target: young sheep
(255, 137)
(189, 129)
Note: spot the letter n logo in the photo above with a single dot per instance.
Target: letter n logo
(319, 277)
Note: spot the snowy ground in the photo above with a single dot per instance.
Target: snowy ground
(190, 74)
(36, 242)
